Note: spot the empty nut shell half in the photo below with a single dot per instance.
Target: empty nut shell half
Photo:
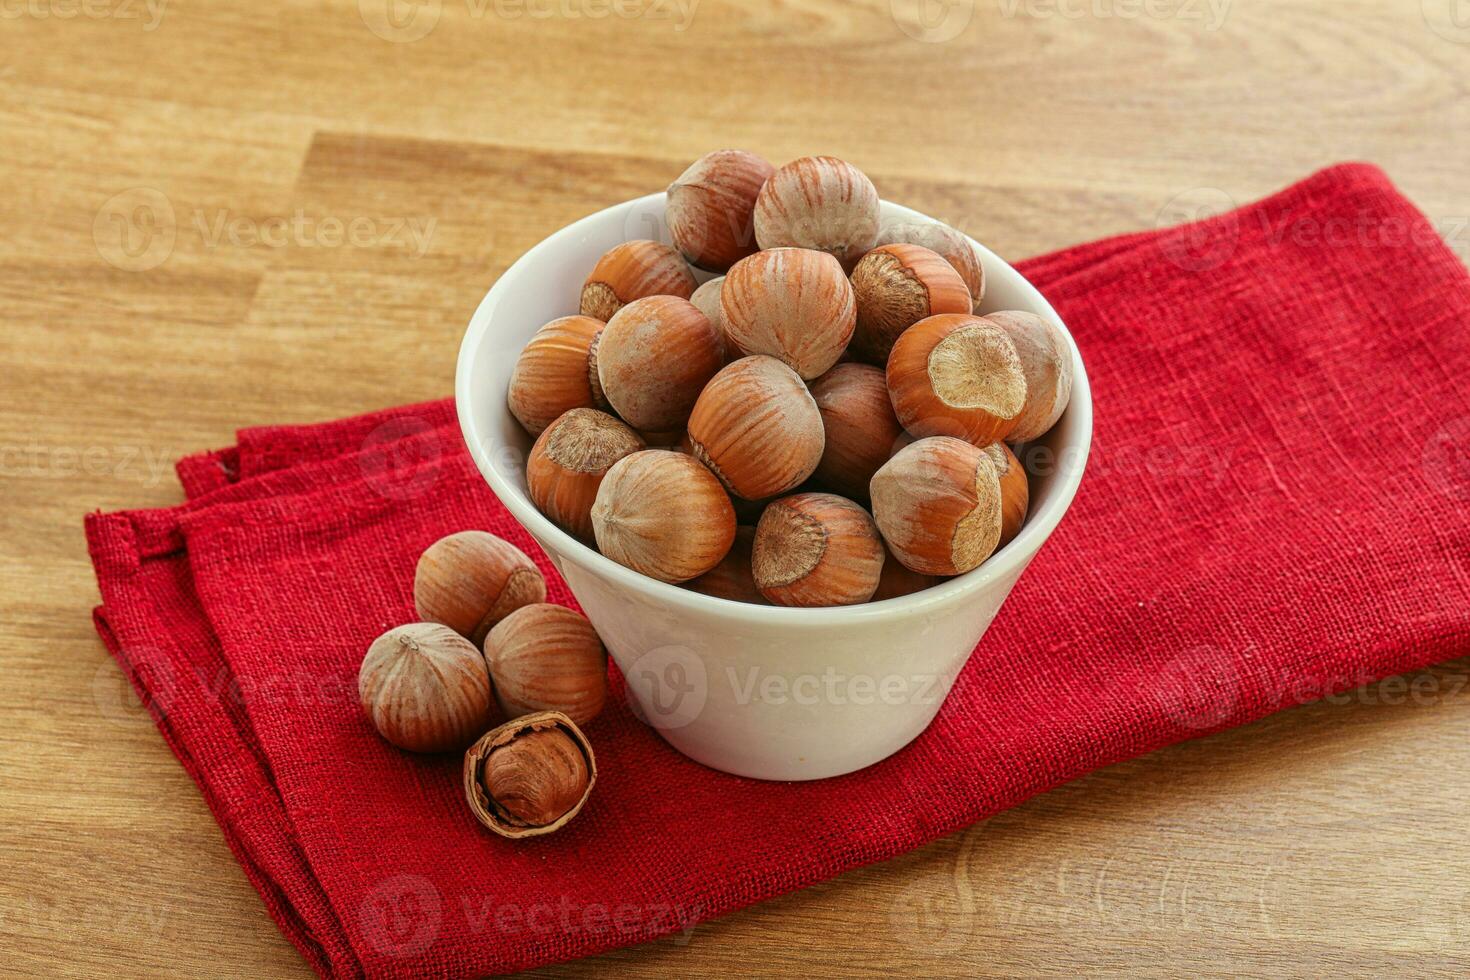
(530, 776)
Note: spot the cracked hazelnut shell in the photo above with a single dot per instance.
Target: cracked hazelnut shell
(530, 776)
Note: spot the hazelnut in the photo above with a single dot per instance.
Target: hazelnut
(861, 431)
(547, 658)
(897, 580)
(567, 464)
(822, 203)
(707, 298)
(938, 504)
(896, 286)
(953, 245)
(1046, 361)
(424, 688)
(711, 208)
(663, 514)
(757, 428)
(1015, 491)
(654, 358)
(632, 271)
(471, 580)
(556, 372)
(956, 375)
(732, 578)
(816, 549)
(791, 303)
(530, 776)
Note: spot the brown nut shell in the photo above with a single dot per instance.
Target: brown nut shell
(861, 431)
(711, 208)
(1015, 490)
(547, 658)
(556, 372)
(632, 271)
(425, 689)
(948, 242)
(1046, 361)
(899, 580)
(707, 298)
(545, 779)
(757, 428)
(816, 549)
(896, 286)
(732, 578)
(654, 358)
(471, 580)
(957, 375)
(938, 504)
(568, 462)
(822, 203)
(793, 304)
(662, 513)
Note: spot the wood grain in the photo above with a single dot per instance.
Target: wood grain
(1327, 838)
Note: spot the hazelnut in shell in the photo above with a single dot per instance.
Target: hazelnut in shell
(425, 689)
(568, 462)
(816, 549)
(791, 303)
(897, 580)
(896, 286)
(632, 271)
(1015, 490)
(957, 375)
(547, 658)
(1046, 361)
(654, 358)
(860, 428)
(731, 578)
(757, 428)
(530, 776)
(938, 505)
(707, 298)
(556, 372)
(822, 203)
(471, 580)
(661, 513)
(711, 208)
(948, 242)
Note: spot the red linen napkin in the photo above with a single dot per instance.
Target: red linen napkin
(1275, 510)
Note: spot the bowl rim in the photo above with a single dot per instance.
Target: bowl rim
(1009, 560)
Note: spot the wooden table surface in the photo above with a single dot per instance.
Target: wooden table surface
(233, 213)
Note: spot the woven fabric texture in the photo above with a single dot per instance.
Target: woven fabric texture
(1275, 510)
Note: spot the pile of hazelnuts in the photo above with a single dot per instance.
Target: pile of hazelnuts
(825, 423)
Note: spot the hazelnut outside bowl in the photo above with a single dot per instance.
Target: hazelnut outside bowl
(768, 692)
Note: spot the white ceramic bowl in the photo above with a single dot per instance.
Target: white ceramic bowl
(762, 691)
